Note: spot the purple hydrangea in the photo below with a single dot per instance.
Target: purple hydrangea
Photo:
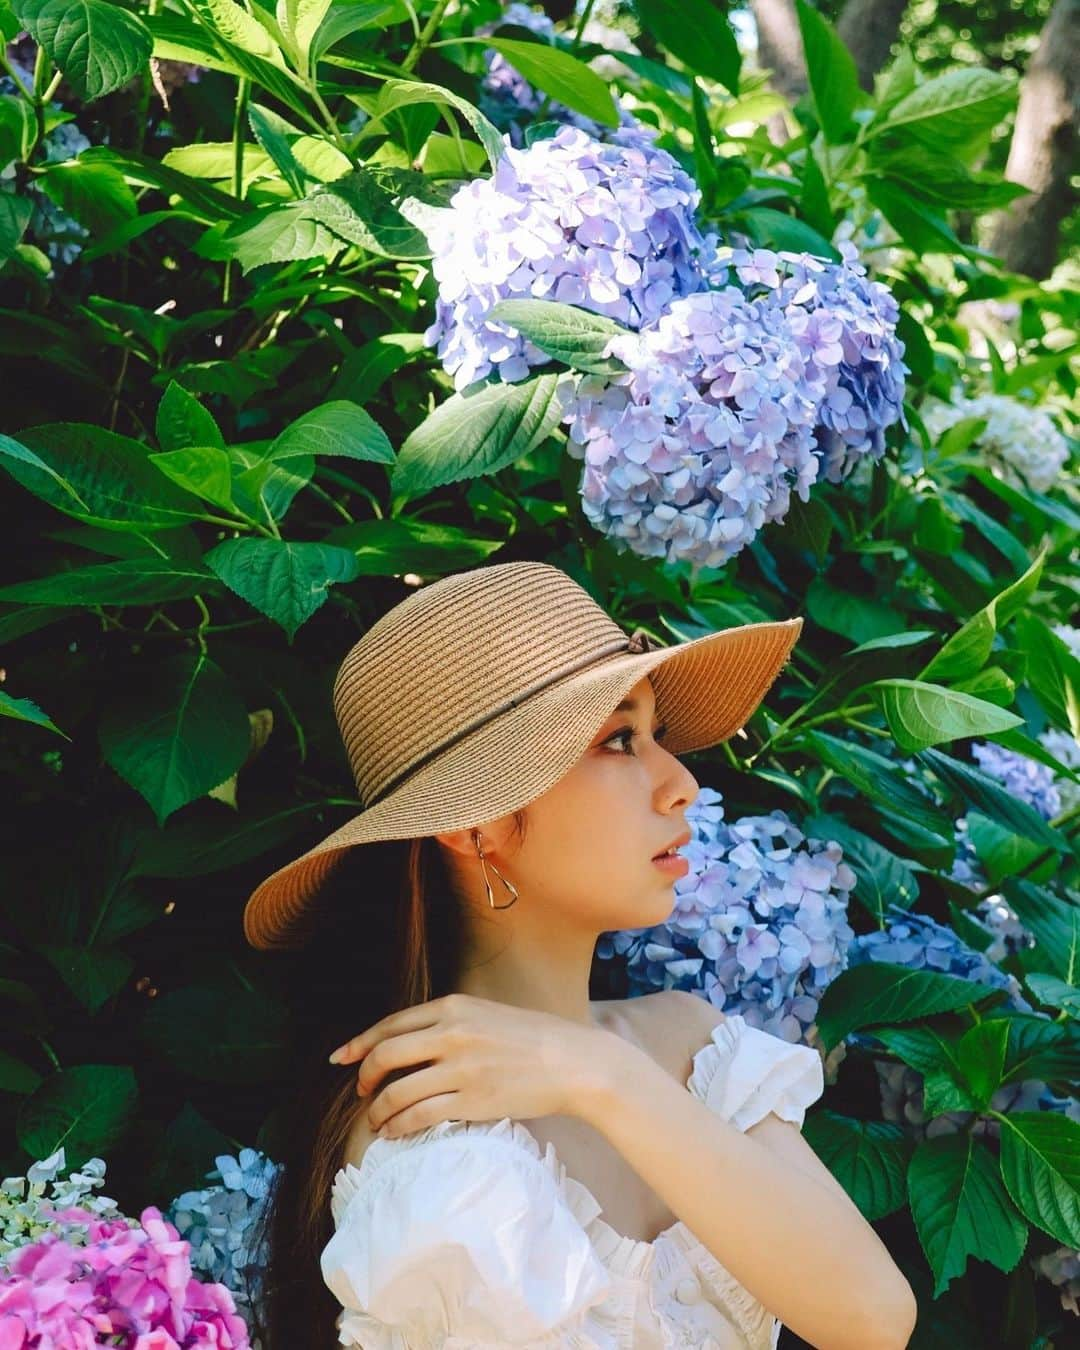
(700, 443)
(606, 227)
(1027, 779)
(845, 327)
(759, 926)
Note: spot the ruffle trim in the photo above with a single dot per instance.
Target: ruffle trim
(743, 1073)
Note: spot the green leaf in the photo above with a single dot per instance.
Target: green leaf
(560, 75)
(988, 796)
(132, 581)
(25, 710)
(1053, 672)
(272, 132)
(95, 194)
(992, 685)
(366, 369)
(1054, 922)
(392, 546)
(879, 991)
(1002, 852)
(881, 878)
(969, 647)
(15, 451)
(350, 16)
(402, 93)
(478, 431)
(960, 1208)
(696, 32)
(17, 1077)
(15, 213)
(336, 428)
(852, 616)
(297, 20)
(238, 29)
(776, 229)
(869, 1158)
(923, 228)
(280, 234)
(285, 580)
(205, 200)
(93, 974)
(1040, 1164)
(952, 110)
(205, 470)
(233, 1037)
(357, 209)
(980, 1058)
(921, 714)
(879, 778)
(86, 1110)
(98, 46)
(571, 335)
(834, 81)
(1054, 993)
(1041, 1049)
(175, 736)
(183, 422)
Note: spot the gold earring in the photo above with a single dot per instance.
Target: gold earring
(483, 867)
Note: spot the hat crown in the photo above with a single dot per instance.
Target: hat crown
(455, 651)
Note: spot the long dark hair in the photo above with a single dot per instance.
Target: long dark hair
(390, 935)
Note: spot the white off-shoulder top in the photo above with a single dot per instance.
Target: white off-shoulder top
(466, 1236)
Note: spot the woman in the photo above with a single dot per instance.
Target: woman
(548, 1170)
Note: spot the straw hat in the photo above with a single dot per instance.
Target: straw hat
(478, 692)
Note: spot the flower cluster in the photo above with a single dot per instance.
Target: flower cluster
(1021, 442)
(759, 925)
(1027, 779)
(221, 1222)
(30, 1204)
(607, 227)
(131, 1282)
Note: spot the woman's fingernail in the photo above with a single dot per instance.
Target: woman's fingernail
(335, 1058)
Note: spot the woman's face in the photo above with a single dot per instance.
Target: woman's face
(589, 840)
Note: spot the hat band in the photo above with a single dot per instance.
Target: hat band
(639, 642)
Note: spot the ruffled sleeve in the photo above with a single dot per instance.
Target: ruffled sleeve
(460, 1231)
(744, 1073)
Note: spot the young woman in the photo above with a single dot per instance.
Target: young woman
(492, 1158)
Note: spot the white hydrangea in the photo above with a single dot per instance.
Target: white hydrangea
(1018, 439)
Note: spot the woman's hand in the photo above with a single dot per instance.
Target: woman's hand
(482, 1060)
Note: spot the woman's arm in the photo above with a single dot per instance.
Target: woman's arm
(806, 1254)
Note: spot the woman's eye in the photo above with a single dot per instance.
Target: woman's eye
(626, 736)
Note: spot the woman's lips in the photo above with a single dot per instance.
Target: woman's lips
(673, 863)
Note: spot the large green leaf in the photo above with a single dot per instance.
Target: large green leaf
(988, 796)
(1054, 921)
(183, 422)
(1053, 672)
(350, 16)
(132, 581)
(99, 46)
(834, 81)
(336, 428)
(858, 617)
(227, 1036)
(85, 1110)
(15, 213)
(477, 431)
(356, 208)
(948, 110)
(402, 93)
(93, 974)
(698, 33)
(869, 1158)
(399, 544)
(279, 234)
(26, 710)
(275, 135)
(283, 579)
(879, 778)
(921, 714)
(1002, 852)
(364, 371)
(880, 991)
(110, 473)
(561, 75)
(239, 29)
(969, 647)
(176, 735)
(205, 470)
(569, 334)
(960, 1208)
(95, 193)
(1040, 1164)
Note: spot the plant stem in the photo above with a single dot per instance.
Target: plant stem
(416, 51)
(243, 93)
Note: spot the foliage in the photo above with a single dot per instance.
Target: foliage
(234, 445)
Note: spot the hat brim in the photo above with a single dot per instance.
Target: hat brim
(706, 689)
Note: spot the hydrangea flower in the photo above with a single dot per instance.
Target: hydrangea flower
(1062, 1268)
(1027, 779)
(221, 1224)
(511, 103)
(759, 926)
(606, 227)
(701, 442)
(1066, 749)
(30, 1204)
(845, 328)
(1020, 442)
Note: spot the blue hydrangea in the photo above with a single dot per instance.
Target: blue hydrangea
(607, 227)
(1027, 779)
(759, 925)
(220, 1223)
(511, 103)
(845, 327)
(701, 442)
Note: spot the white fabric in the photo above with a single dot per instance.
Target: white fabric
(466, 1236)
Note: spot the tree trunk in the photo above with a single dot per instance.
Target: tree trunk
(1025, 233)
(780, 46)
(869, 29)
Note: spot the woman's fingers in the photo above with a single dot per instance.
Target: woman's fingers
(395, 1052)
(405, 1094)
(405, 1019)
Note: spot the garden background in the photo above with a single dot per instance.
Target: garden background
(789, 326)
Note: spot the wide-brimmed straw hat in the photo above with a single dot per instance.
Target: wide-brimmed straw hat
(477, 693)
